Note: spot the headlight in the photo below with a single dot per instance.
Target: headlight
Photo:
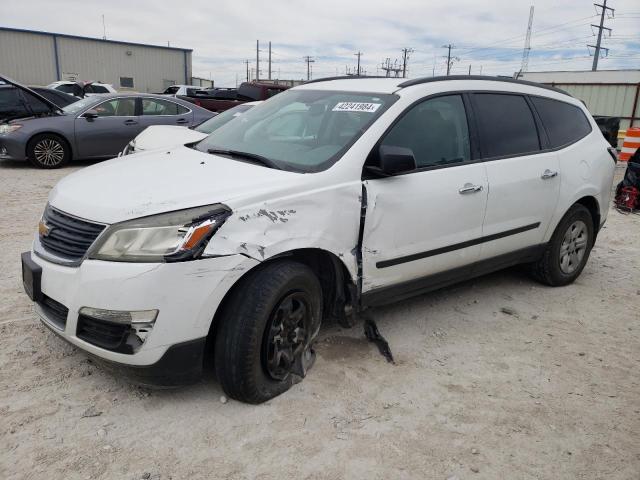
(167, 237)
(8, 128)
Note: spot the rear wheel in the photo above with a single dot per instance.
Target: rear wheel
(568, 250)
(48, 151)
(267, 327)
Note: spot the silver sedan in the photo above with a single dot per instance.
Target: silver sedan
(96, 127)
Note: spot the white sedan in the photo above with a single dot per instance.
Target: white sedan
(166, 136)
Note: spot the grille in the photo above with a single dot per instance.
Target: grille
(68, 237)
(55, 312)
(108, 335)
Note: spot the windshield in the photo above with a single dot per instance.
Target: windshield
(222, 119)
(301, 130)
(79, 105)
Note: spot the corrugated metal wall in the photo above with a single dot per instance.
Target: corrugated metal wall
(611, 100)
(30, 58)
(27, 57)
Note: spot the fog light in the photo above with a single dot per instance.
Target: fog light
(3, 150)
(122, 331)
(121, 316)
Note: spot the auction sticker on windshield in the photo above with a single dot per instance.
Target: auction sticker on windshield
(356, 107)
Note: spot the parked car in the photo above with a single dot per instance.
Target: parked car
(609, 126)
(181, 90)
(95, 127)
(17, 103)
(82, 89)
(219, 100)
(330, 198)
(167, 136)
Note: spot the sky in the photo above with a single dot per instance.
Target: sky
(488, 36)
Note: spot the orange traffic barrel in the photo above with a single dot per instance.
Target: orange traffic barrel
(630, 144)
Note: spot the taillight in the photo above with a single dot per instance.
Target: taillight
(614, 154)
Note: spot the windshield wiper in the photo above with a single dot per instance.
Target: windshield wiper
(267, 162)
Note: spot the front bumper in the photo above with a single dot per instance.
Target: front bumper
(13, 147)
(186, 294)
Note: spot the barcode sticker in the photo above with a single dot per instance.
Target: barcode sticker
(356, 107)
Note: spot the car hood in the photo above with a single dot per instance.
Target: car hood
(164, 136)
(144, 184)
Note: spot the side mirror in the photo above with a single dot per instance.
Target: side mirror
(393, 161)
(90, 114)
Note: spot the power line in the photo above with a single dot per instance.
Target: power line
(598, 46)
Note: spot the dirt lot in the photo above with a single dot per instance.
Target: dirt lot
(496, 378)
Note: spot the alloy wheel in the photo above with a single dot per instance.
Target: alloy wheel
(574, 246)
(49, 152)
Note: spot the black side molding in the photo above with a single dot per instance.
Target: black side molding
(402, 291)
(457, 246)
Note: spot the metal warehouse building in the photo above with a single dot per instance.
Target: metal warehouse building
(611, 93)
(39, 58)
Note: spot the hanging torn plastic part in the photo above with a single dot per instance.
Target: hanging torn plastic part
(373, 335)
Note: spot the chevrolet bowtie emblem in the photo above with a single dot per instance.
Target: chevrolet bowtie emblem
(44, 229)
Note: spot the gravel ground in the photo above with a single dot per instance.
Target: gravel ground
(498, 377)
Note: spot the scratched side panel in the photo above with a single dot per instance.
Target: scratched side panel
(326, 218)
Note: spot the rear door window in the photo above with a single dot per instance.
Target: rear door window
(506, 124)
(565, 123)
(153, 106)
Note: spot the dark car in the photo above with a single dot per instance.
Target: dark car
(17, 103)
(221, 99)
(95, 127)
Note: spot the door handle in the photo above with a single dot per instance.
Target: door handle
(548, 174)
(130, 122)
(182, 120)
(470, 188)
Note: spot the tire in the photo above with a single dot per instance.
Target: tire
(245, 340)
(48, 151)
(558, 266)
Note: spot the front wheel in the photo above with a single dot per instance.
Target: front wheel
(48, 151)
(567, 252)
(267, 327)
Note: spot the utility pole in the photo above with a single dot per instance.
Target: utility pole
(309, 61)
(598, 45)
(405, 57)
(359, 54)
(527, 44)
(269, 60)
(449, 58)
(246, 62)
(257, 60)
(469, 69)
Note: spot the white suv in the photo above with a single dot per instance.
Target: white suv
(327, 199)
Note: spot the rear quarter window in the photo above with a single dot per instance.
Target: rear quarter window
(564, 123)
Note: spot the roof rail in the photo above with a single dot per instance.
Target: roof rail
(343, 77)
(418, 81)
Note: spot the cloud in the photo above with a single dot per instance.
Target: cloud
(487, 35)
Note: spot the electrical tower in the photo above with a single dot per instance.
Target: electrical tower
(391, 68)
(405, 57)
(309, 61)
(527, 44)
(597, 46)
(449, 58)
